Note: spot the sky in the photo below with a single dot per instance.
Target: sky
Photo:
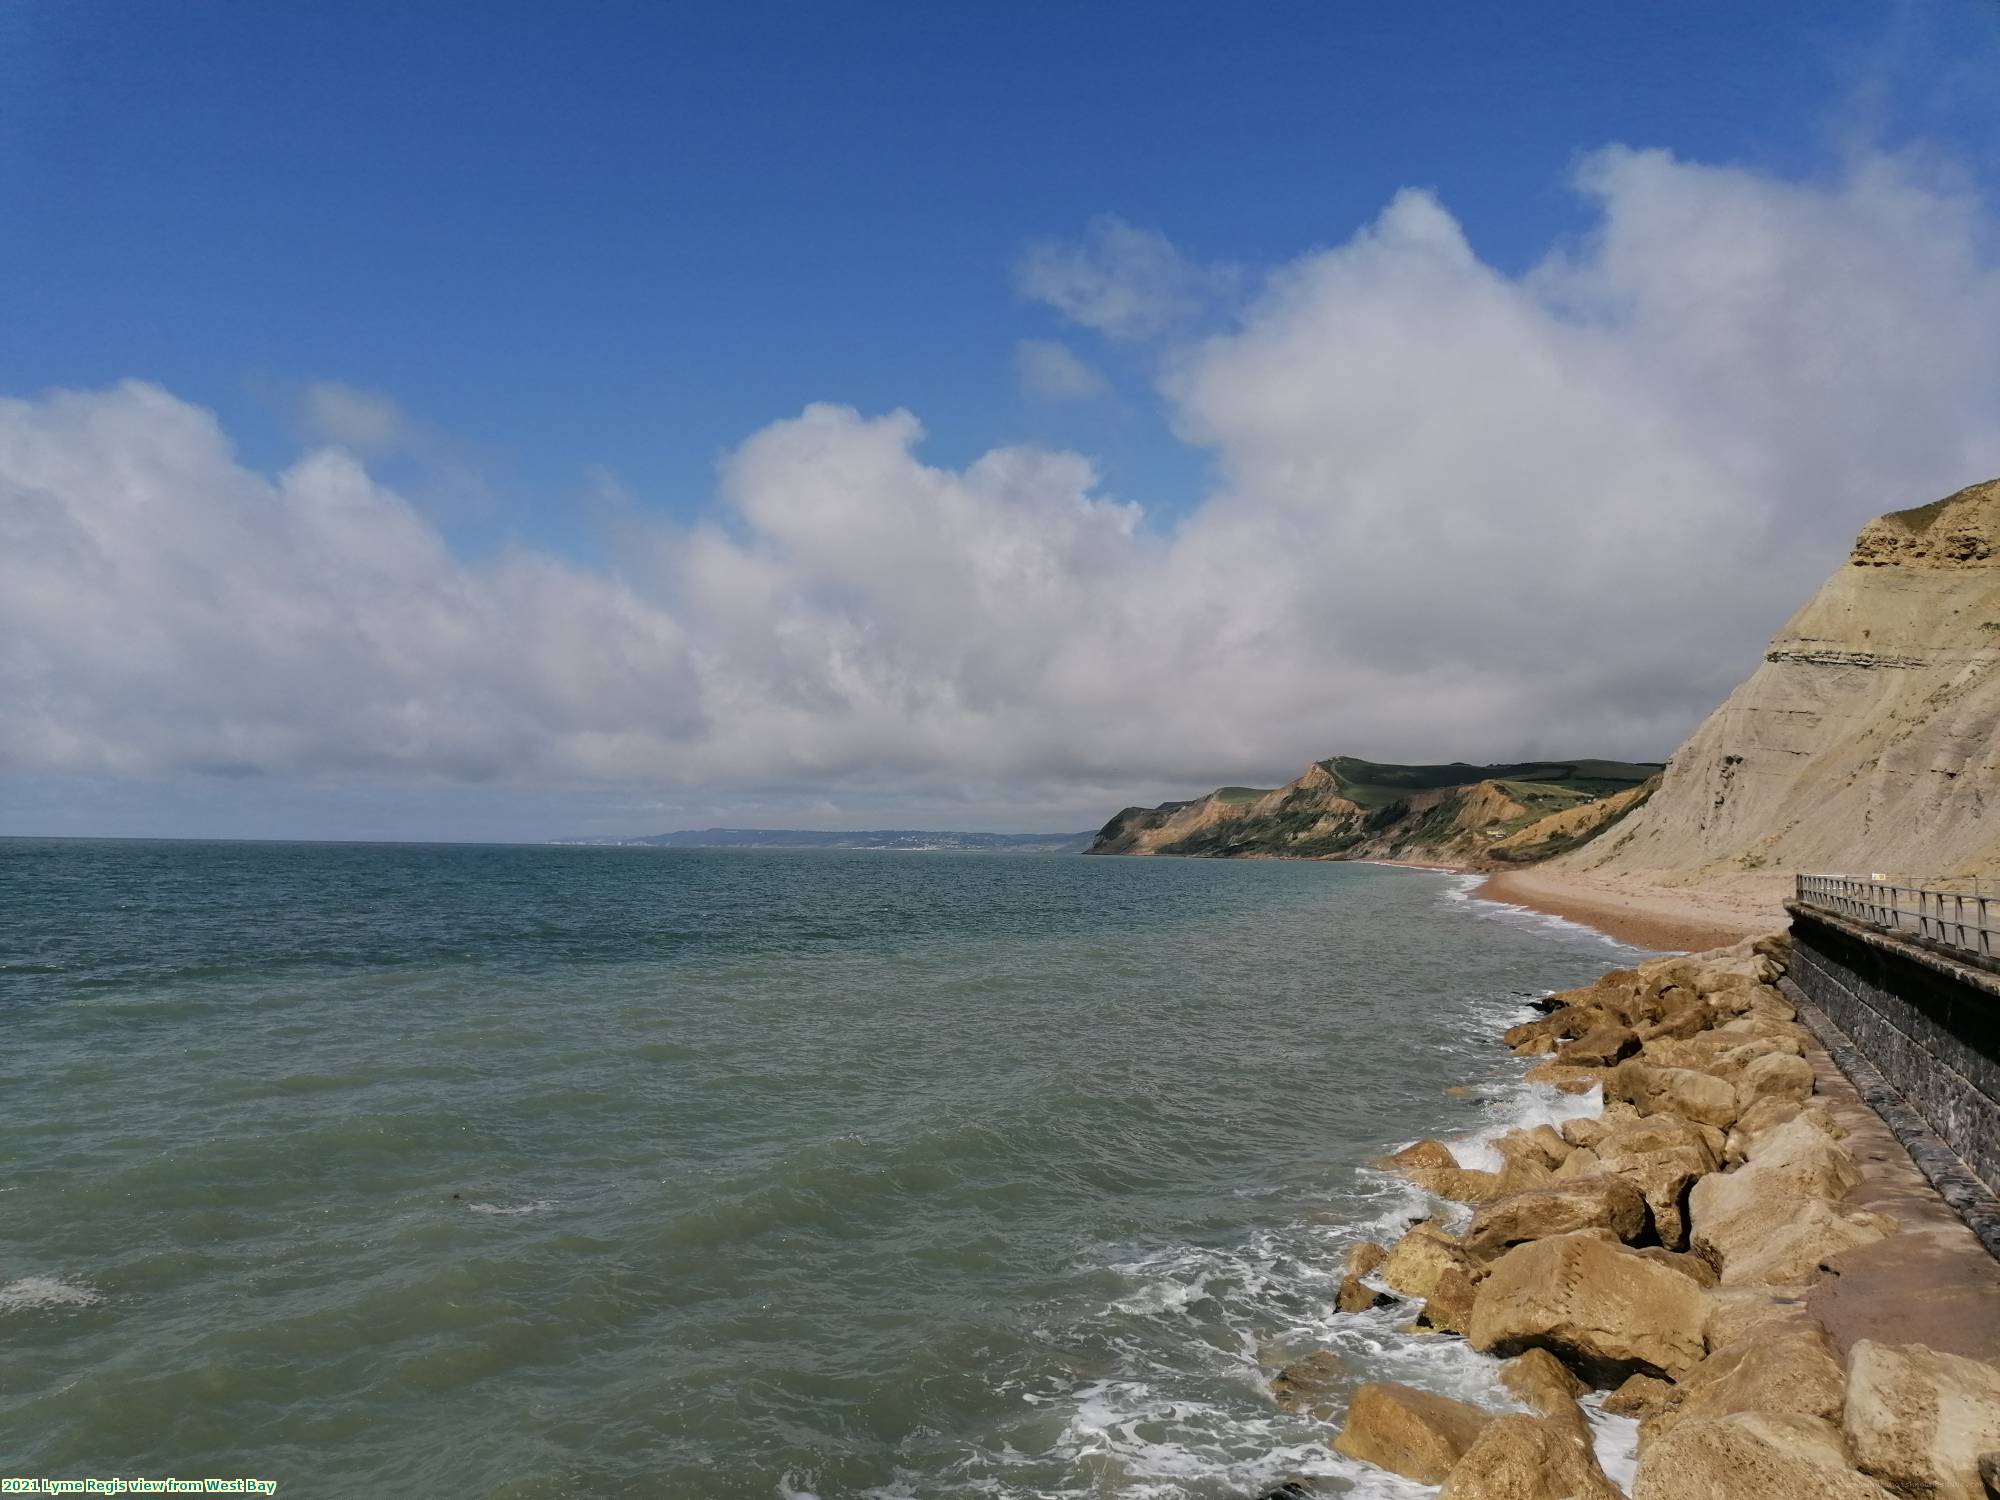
(511, 422)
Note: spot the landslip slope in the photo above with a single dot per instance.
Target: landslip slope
(1344, 808)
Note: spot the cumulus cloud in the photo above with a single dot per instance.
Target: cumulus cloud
(1050, 371)
(1460, 514)
(1123, 281)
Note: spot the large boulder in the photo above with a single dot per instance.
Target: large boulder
(1795, 1250)
(1787, 1366)
(1663, 1156)
(1600, 1047)
(1604, 1310)
(1408, 1431)
(1421, 1154)
(1751, 1456)
(1464, 1184)
(1529, 1458)
(1640, 1396)
(1735, 1214)
(1420, 1259)
(1448, 1309)
(1567, 1078)
(1918, 1420)
(1775, 1075)
(1357, 1296)
(1584, 1203)
(1540, 1380)
(1701, 1097)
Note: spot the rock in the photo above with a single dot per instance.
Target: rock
(1448, 1309)
(1989, 1472)
(1529, 1458)
(1419, 1259)
(1309, 1385)
(1663, 1156)
(1753, 1454)
(1357, 1296)
(1738, 1214)
(1600, 1047)
(1539, 1149)
(1604, 1310)
(1787, 1367)
(1701, 1097)
(1364, 1257)
(1918, 1420)
(1422, 1154)
(1585, 1132)
(1459, 1184)
(1581, 1162)
(1685, 1016)
(1691, 1266)
(1409, 1432)
(1585, 1203)
(1565, 1078)
(1795, 1250)
(1641, 1396)
(1777, 1075)
(1539, 1379)
(1735, 1313)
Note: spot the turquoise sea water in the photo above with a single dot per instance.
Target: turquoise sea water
(534, 1172)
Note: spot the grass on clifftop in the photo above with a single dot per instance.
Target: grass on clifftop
(1371, 784)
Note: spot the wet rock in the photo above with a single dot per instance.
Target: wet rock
(1701, 1097)
(1601, 1202)
(1448, 1309)
(1310, 1385)
(1459, 1184)
(1642, 1396)
(1409, 1432)
(1600, 1047)
(1423, 1154)
(1357, 1296)
(1365, 1257)
(1536, 1150)
(1419, 1259)
(1604, 1310)
(1918, 1420)
(1529, 1458)
(1565, 1078)
(1753, 1454)
(1539, 1379)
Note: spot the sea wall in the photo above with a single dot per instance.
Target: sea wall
(1930, 1026)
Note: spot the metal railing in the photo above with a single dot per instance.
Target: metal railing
(1959, 919)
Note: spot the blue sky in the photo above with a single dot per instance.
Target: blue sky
(588, 251)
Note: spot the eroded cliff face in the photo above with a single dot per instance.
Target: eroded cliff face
(1869, 738)
(1343, 808)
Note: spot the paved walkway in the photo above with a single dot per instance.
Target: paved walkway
(1934, 1283)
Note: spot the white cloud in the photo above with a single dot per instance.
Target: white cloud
(1123, 281)
(364, 422)
(1050, 371)
(1461, 515)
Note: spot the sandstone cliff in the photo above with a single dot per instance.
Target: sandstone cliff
(1344, 808)
(1869, 738)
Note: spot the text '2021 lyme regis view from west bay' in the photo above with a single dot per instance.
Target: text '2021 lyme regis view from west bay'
(1029, 752)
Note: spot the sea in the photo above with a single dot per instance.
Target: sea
(534, 1172)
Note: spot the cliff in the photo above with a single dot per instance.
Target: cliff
(1867, 740)
(1344, 808)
